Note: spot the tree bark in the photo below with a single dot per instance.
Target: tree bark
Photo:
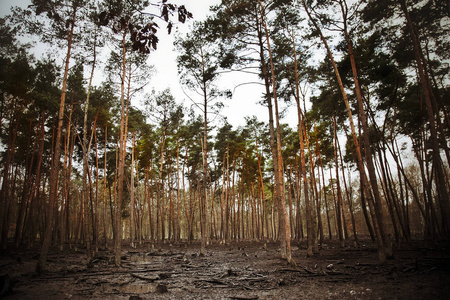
(285, 229)
(53, 193)
(385, 246)
(132, 200)
(121, 164)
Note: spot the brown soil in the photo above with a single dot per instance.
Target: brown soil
(236, 271)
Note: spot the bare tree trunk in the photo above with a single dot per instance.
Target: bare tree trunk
(160, 232)
(338, 209)
(170, 217)
(323, 188)
(318, 199)
(96, 228)
(309, 221)
(67, 172)
(105, 227)
(204, 198)
(262, 198)
(178, 220)
(290, 197)
(222, 204)
(349, 200)
(150, 204)
(132, 200)
(385, 246)
(53, 193)
(227, 201)
(27, 187)
(314, 216)
(285, 229)
(121, 164)
(299, 219)
(29, 223)
(186, 209)
(86, 149)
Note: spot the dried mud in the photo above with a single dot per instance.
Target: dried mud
(236, 271)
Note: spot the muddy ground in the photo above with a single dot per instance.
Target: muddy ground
(236, 271)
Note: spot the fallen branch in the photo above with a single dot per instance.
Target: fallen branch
(151, 279)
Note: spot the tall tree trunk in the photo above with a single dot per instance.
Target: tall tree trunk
(316, 190)
(96, 228)
(349, 199)
(30, 221)
(160, 232)
(385, 243)
(67, 173)
(178, 221)
(222, 203)
(285, 230)
(262, 198)
(53, 193)
(325, 196)
(338, 209)
(132, 200)
(86, 149)
(314, 216)
(150, 204)
(105, 227)
(121, 164)
(227, 201)
(309, 221)
(27, 186)
(204, 198)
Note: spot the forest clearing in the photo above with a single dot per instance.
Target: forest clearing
(118, 183)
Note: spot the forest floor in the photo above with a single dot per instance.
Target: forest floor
(236, 271)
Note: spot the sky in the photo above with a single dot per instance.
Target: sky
(245, 98)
